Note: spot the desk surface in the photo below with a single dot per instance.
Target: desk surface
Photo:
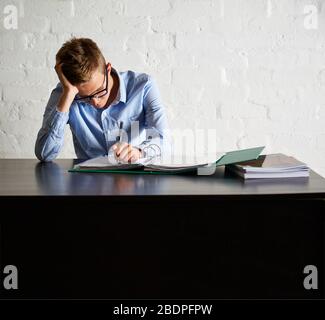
(28, 177)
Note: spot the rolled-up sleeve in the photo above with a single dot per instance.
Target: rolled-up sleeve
(51, 135)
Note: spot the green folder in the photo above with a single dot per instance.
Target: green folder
(230, 157)
(239, 156)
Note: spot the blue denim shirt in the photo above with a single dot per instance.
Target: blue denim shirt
(138, 105)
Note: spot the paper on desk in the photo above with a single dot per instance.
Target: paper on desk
(178, 162)
(102, 162)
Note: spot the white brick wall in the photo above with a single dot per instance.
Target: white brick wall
(250, 69)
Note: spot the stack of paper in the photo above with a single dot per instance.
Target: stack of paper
(271, 166)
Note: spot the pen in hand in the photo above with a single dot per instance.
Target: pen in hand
(119, 138)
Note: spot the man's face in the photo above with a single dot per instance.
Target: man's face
(96, 84)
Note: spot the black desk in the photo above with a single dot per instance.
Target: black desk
(81, 235)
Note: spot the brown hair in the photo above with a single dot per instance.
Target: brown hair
(80, 57)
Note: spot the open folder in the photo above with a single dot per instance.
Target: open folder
(144, 166)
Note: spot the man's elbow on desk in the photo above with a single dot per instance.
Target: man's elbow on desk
(44, 157)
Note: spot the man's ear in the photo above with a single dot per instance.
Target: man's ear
(108, 67)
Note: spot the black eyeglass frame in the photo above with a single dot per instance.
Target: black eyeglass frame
(96, 95)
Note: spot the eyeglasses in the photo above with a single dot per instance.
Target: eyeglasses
(96, 95)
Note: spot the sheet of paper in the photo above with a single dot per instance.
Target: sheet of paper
(183, 161)
(102, 162)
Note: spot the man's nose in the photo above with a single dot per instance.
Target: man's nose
(94, 102)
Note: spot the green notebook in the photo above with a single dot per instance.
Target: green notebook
(227, 158)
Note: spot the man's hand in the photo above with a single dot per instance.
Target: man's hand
(124, 152)
(67, 86)
(69, 90)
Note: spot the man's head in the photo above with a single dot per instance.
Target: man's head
(84, 66)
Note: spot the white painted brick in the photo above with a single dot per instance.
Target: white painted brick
(41, 76)
(299, 76)
(161, 75)
(233, 9)
(11, 41)
(303, 39)
(267, 126)
(320, 112)
(18, 142)
(216, 55)
(125, 60)
(290, 143)
(306, 57)
(135, 42)
(11, 77)
(23, 93)
(41, 42)
(39, 24)
(177, 21)
(232, 129)
(238, 15)
(272, 58)
(6, 41)
(98, 8)
(18, 59)
(193, 77)
(243, 111)
(309, 126)
(117, 24)
(15, 128)
(9, 145)
(254, 140)
(181, 59)
(158, 59)
(8, 112)
(32, 110)
(63, 8)
(166, 95)
(160, 41)
(233, 94)
(320, 141)
(245, 40)
(50, 57)
(264, 95)
(75, 25)
(311, 95)
(146, 7)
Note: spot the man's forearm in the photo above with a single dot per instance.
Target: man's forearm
(65, 101)
(50, 137)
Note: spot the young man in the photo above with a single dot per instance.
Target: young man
(99, 103)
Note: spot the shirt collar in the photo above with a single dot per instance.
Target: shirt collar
(121, 93)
